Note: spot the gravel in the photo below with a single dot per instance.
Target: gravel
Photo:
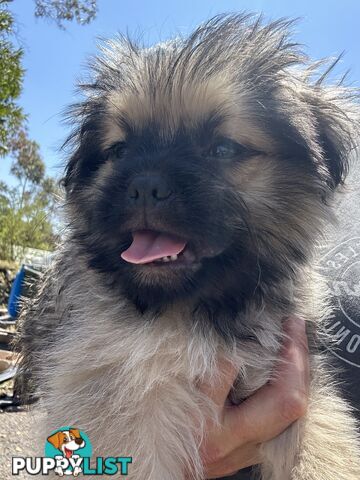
(15, 440)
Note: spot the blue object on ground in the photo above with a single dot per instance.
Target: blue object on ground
(15, 293)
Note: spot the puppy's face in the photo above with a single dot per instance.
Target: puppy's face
(203, 167)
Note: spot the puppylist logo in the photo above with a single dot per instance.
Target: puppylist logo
(68, 452)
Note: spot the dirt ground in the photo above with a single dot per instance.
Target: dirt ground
(15, 440)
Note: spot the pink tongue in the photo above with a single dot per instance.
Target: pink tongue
(148, 246)
(68, 453)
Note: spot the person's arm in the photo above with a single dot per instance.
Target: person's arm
(234, 444)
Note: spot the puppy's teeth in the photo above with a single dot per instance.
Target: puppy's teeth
(174, 257)
(166, 259)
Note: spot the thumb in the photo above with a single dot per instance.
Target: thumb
(279, 403)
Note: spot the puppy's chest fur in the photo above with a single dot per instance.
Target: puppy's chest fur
(137, 375)
(118, 351)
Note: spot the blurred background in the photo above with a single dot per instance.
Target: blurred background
(44, 46)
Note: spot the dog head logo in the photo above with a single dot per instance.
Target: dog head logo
(67, 441)
(68, 446)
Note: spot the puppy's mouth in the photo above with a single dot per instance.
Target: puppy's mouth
(68, 453)
(158, 249)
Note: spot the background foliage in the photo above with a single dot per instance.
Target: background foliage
(11, 76)
(28, 215)
(28, 209)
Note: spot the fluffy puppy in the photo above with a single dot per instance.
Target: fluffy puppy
(201, 178)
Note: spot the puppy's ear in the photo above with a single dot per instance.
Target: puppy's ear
(70, 171)
(85, 142)
(56, 439)
(336, 116)
(83, 163)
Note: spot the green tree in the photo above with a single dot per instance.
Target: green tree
(11, 71)
(27, 210)
(60, 11)
(11, 77)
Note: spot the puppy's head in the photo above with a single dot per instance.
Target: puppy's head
(204, 166)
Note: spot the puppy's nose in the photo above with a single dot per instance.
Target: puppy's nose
(149, 189)
(78, 441)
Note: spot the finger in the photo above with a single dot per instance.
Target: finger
(218, 390)
(243, 457)
(275, 406)
(295, 353)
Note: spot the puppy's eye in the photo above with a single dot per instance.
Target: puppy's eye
(227, 150)
(117, 150)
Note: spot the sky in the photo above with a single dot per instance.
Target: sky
(55, 60)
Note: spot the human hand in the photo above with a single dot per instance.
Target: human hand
(234, 443)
